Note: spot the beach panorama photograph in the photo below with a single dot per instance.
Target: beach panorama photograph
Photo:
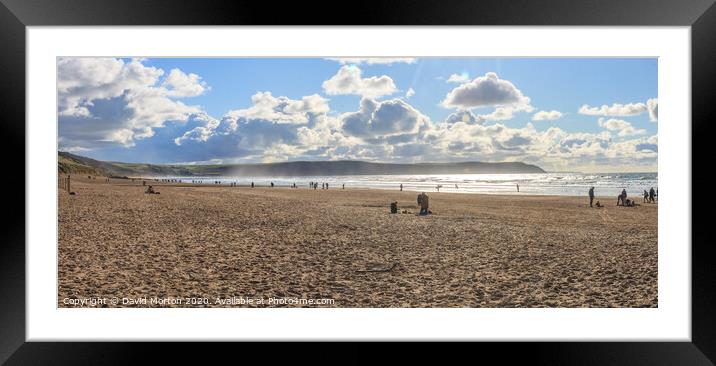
(345, 182)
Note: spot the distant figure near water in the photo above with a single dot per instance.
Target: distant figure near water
(252, 184)
(646, 196)
(401, 187)
(518, 187)
(591, 196)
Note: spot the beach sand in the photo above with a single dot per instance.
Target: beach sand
(232, 243)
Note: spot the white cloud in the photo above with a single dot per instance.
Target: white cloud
(459, 78)
(653, 106)
(272, 129)
(410, 93)
(615, 110)
(484, 91)
(105, 101)
(373, 60)
(620, 126)
(393, 130)
(380, 119)
(180, 84)
(348, 80)
(464, 116)
(205, 129)
(499, 114)
(547, 116)
(282, 109)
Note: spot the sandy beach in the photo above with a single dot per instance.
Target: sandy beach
(228, 243)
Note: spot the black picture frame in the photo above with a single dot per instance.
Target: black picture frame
(700, 15)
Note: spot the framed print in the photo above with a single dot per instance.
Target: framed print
(461, 172)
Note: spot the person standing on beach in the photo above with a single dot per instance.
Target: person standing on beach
(401, 187)
(622, 198)
(423, 204)
(518, 187)
(591, 196)
(344, 186)
(652, 193)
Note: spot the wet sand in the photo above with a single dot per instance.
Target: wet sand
(230, 244)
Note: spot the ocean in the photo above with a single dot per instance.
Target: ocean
(561, 184)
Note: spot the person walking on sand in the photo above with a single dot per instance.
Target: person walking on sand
(401, 187)
(423, 204)
(591, 196)
(652, 193)
(344, 186)
(646, 196)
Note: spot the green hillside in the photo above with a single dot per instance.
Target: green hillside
(75, 164)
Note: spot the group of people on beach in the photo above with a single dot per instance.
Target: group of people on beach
(423, 204)
(651, 195)
(314, 185)
(622, 200)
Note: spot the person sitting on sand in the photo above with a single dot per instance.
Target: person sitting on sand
(394, 207)
(423, 204)
(591, 196)
(598, 204)
(149, 190)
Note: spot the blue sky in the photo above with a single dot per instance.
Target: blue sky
(587, 114)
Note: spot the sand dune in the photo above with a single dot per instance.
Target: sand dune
(474, 251)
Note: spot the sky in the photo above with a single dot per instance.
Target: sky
(562, 114)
